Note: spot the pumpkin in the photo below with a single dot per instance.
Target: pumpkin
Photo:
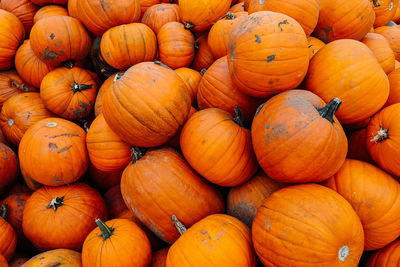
(200, 15)
(217, 240)
(98, 105)
(216, 90)
(8, 167)
(29, 66)
(104, 180)
(244, 200)
(24, 10)
(158, 15)
(12, 36)
(392, 35)
(268, 53)
(314, 45)
(396, 16)
(239, 7)
(46, 2)
(381, 139)
(304, 12)
(163, 178)
(203, 57)
(8, 239)
(104, 245)
(175, 45)
(384, 11)
(126, 45)
(394, 81)
(375, 197)
(308, 224)
(175, 140)
(114, 202)
(61, 145)
(352, 65)
(11, 84)
(57, 39)
(220, 32)
(386, 257)
(48, 11)
(297, 129)
(381, 49)
(396, 65)
(126, 105)
(2, 138)
(56, 257)
(342, 19)
(3, 261)
(159, 258)
(19, 113)
(191, 78)
(146, 4)
(52, 211)
(357, 146)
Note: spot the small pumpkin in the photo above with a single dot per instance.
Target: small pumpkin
(48, 11)
(381, 49)
(384, 11)
(146, 4)
(9, 168)
(314, 45)
(63, 257)
(386, 257)
(239, 7)
(8, 239)
(357, 146)
(394, 81)
(159, 258)
(24, 10)
(158, 15)
(392, 35)
(104, 245)
(114, 202)
(11, 84)
(191, 78)
(203, 57)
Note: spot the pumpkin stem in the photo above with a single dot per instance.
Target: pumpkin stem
(259, 109)
(229, 16)
(330, 109)
(80, 87)
(24, 88)
(69, 64)
(118, 76)
(238, 119)
(376, 3)
(4, 211)
(14, 84)
(56, 203)
(196, 45)
(178, 225)
(137, 153)
(203, 71)
(188, 25)
(381, 135)
(158, 62)
(106, 231)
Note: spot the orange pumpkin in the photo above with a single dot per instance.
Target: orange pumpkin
(46, 2)
(11, 84)
(394, 81)
(159, 258)
(384, 11)
(374, 196)
(342, 19)
(8, 239)
(51, 212)
(98, 105)
(314, 45)
(8, 167)
(217, 240)
(57, 39)
(18, 261)
(104, 180)
(3, 261)
(239, 7)
(158, 15)
(24, 10)
(203, 58)
(104, 245)
(146, 4)
(357, 146)
(351, 65)
(126, 105)
(175, 140)
(386, 257)
(297, 138)
(48, 11)
(61, 257)
(114, 202)
(2, 138)
(61, 145)
(12, 36)
(19, 113)
(308, 224)
(191, 78)
(381, 49)
(163, 178)
(392, 35)
(396, 16)
(268, 53)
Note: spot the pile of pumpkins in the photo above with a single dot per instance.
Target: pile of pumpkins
(199, 133)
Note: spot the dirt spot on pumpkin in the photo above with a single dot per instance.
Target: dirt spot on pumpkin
(282, 23)
(270, 58)
(53, 147)
(258, 39)
(52, 36)
(275, 133)
(64, 149)
(64, 134)
(48, 54)
(54, 264)
(244, 212)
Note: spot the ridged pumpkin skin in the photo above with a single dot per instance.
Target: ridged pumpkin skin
(200, 15)
(314, 45)
(62, 257)
(57, 39)
(126, 45)
(384, 11)
(381, 49)
(394, 81)
(29, 66)
(147, 105)
(203, 58)
(358, 146)
(343, 19)
(127, 239)
(146, 4)
(268, 53)
(307, 225)
(24, 10)
(46, 2)
(52, 211)
(304, 12)
(19, 113)
(352, 65)
(69, 93)
(98, 16)
(216, 90)
(244, 200)
(8, 239)
(218, 147)
(162, 178)
(62, 148)
(12, 36)
(107, 152)
(191, 78)
(392, 35)
(159, 258)
(175, 45)
(48, 11)
(11, 84)
(375, 196)
(158, 15)
(9, 167)
(294, 142)
(217, 240)
(386, 257)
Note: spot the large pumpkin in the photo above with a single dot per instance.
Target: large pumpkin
(11, 84)
(158, 15)
(203, 58)
(51, 212)
(56, 257)
(104, 246)
(217, 240)
(381, 49)
(375, 196)
(12, 36)
(147, 105)
(48, 11)
(364, 86)
(162, 178)
(62, 148)
(8, 166)
(394, 81)
(392, 35)
(24, 10)
(57, 39)
(8, 239)
(384, 11)
(191, 78)
(386, 257)
(297, 138)
(308, 224)
(268, 53)
(19, 113)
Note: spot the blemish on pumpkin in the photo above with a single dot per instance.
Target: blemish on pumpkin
(54, 264)
(53, 147)
(108, 54)
(261, 2)
(258, 39)
(270, 58)
(282, 23)
(64, 134)
(205, 233)
(64, 149)
(48, 54)
(52, 36)
(267, 126)
(268, 224)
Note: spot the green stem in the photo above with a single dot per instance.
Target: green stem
(80, 87)
(188, 25)
(137, 153)
(106, 231)
(203, 71)
(118, 76)
(4, 211)
(238, 119)
(69, 64)
(56, 203)
(330, 109)
(178, 225)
